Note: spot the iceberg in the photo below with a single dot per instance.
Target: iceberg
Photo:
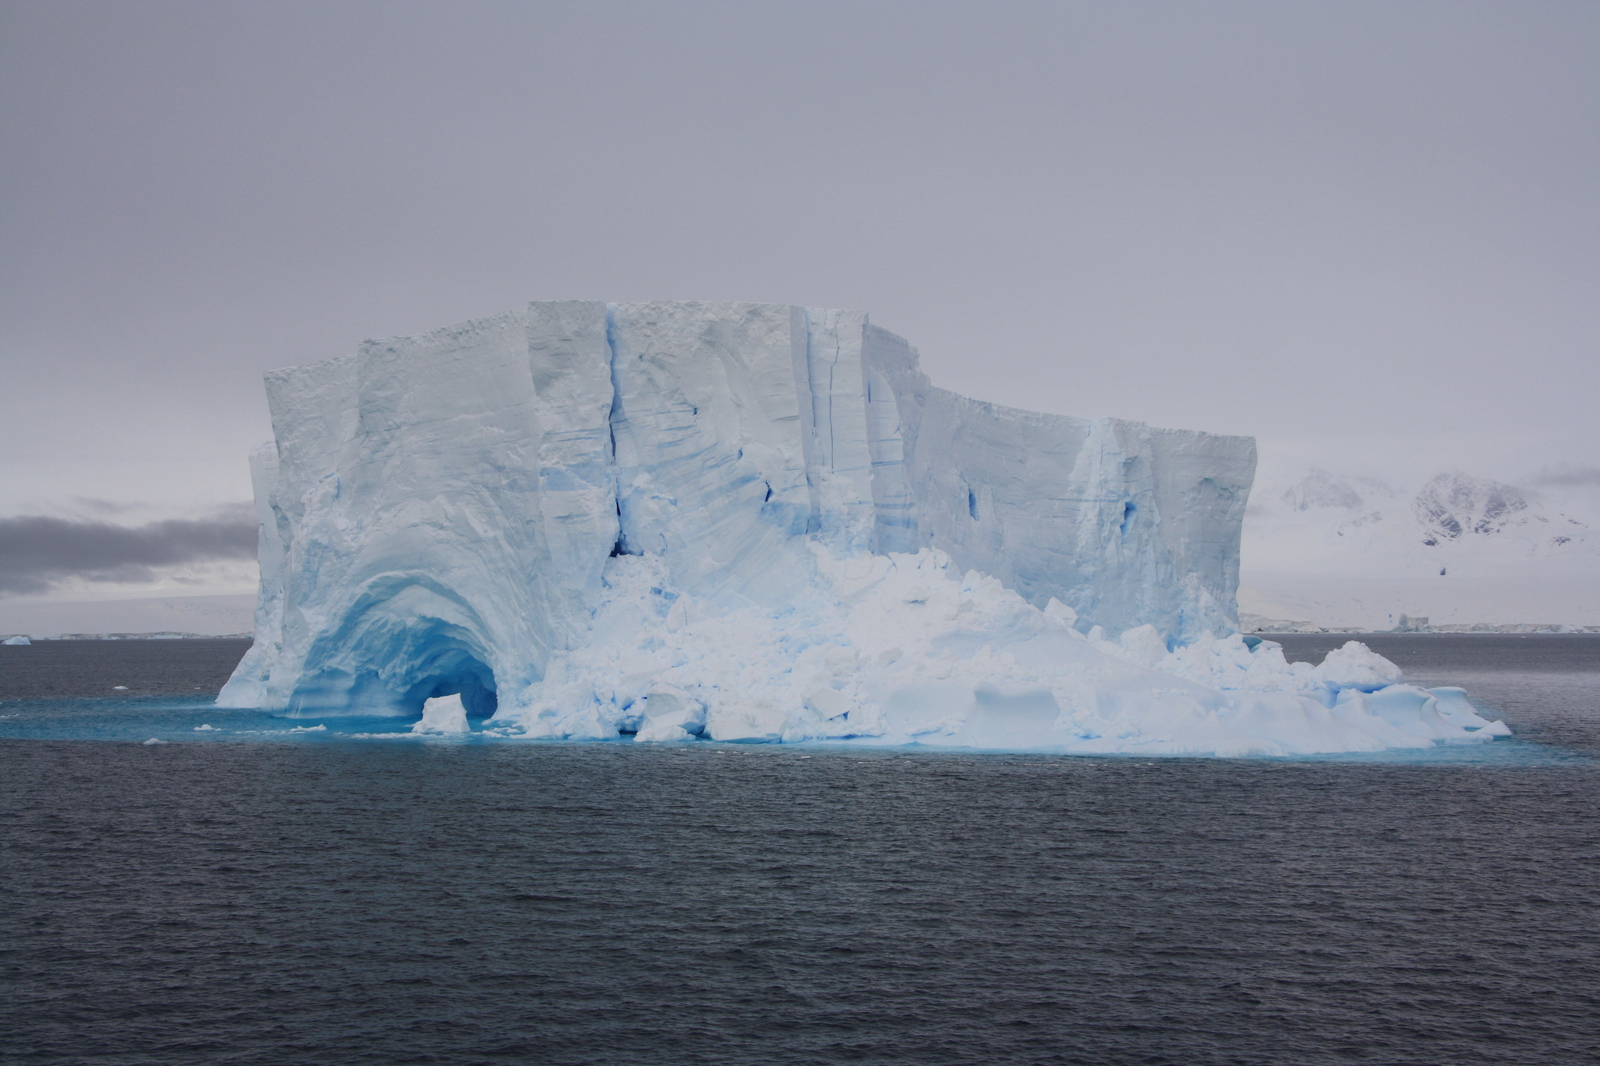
(443, 714)
(762, 523)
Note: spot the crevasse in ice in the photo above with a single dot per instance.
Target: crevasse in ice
(762, 522)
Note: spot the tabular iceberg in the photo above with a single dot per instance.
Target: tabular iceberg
(762, 522)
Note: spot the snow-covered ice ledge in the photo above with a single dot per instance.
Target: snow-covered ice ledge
(762, 522)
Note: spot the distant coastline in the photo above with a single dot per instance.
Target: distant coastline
(1255, 623)
(129, 636)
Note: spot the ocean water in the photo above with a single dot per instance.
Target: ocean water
(252, 895)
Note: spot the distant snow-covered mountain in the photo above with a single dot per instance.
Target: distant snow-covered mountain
(1342, 550)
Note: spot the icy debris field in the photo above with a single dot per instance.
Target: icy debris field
(903, 649)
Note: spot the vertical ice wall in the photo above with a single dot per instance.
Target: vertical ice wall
(438, 510)
(740, 432)
(711, 464)
(834, 429)
(443, 504)
(1126, 524)
(248, 684)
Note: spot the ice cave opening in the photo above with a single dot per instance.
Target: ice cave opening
(450, 670)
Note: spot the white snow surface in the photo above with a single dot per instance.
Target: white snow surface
(1341, 550)
(761, 523)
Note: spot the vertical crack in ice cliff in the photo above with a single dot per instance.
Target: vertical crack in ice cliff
(612, 417)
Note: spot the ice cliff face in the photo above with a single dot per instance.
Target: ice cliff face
(1126, 524)
(573, 515)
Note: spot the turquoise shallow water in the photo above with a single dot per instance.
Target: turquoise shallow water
(1545, 686)
(165, 720)
(254, 895)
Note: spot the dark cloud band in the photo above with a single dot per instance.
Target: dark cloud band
(37, 552)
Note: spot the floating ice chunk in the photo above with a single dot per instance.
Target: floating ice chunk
(119, 688)
(1407, 708)
(663, 729)
(205, 728)
(671, 714)
(1454, 707)
(155, 740)
(745, 718)
(1144, 645)
(1359, 667)
(1060, 613)
(441, 714)
(16, 642)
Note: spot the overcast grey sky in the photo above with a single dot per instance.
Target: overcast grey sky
(1350, 229)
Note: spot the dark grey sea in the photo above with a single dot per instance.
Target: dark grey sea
(248, 894)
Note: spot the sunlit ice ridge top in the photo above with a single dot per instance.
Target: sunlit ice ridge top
(758, 522)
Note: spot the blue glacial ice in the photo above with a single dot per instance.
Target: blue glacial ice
(753, 522)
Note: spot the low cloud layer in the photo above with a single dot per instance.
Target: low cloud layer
(38, 552)
(1583, 475)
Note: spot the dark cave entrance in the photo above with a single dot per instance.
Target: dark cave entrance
(453, 672)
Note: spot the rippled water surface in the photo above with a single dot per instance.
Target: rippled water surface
(334, 900)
